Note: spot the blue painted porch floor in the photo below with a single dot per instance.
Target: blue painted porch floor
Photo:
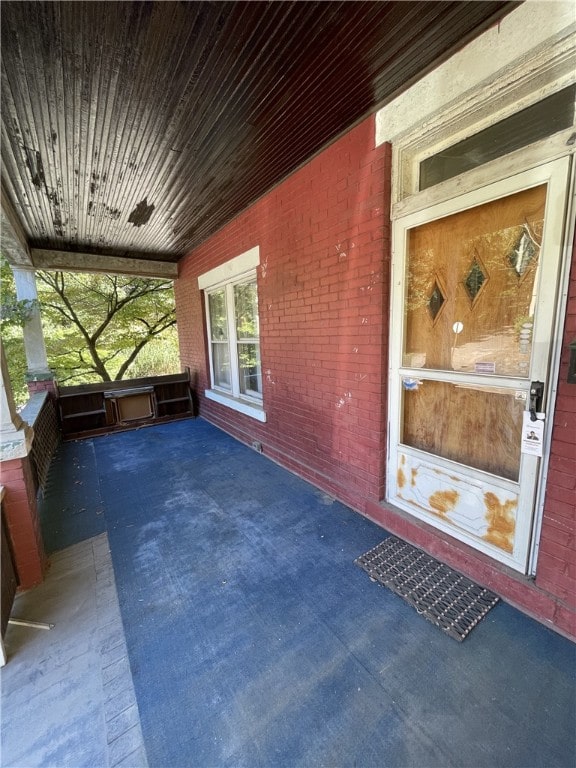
(253, 640)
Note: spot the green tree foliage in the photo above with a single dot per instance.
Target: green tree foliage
(96, 326)
(13, 314)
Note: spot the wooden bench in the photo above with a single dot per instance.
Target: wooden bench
(109, 406)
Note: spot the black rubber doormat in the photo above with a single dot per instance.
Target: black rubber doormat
(443, 596)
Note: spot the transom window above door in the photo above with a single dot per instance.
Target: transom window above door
(546, 117)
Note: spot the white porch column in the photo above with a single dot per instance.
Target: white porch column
(15, 434)
(33, 334)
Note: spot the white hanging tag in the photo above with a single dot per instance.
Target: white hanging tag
(532, 434)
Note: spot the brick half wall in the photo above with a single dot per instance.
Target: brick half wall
(23, 523)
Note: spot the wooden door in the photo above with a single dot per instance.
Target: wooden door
(475, 283)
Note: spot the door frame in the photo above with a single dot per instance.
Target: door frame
(465, 192)
(567, 256)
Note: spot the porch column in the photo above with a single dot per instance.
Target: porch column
(19, 502)
(39, 376)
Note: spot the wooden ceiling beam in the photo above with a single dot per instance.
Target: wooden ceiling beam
(88, 262)
(14, 243)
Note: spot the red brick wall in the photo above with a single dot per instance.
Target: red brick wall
(43, 385)
(324, 238)
(323, 291)
(19, 505)
(556, 572)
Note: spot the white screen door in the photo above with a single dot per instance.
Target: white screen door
(475, 283)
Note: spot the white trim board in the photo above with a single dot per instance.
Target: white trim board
(532, 30)
(231, 269)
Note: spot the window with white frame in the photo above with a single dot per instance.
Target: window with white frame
(235, 338)
(231, 296)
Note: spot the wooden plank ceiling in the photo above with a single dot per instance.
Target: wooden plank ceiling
(138, 129)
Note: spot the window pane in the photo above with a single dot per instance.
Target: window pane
(249, 368)
(246, 302)
(472, 279)
(218, 323)
(221, 363)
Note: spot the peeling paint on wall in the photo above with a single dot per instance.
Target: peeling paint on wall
(346, 397)
(341, 254)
